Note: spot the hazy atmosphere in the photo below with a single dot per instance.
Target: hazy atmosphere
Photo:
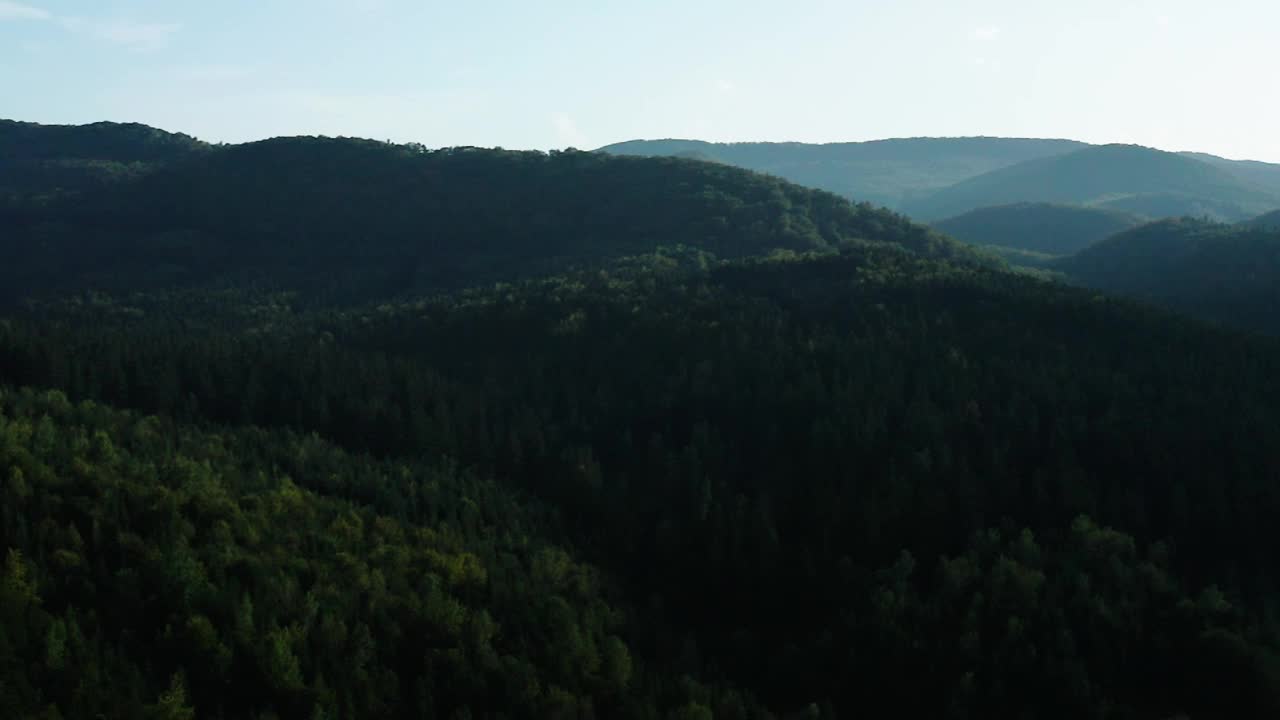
(1172, 74)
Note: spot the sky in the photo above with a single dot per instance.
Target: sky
(1172, 74)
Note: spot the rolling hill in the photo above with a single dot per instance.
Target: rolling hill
(41, 162)
(1230, 274)
(1270, 220)
(653, 439)
(1123, 177)
(1041, 228)
(291, 212)
(1262, 174)
(882, 172)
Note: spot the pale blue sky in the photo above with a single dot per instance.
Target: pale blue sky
(1175, 74)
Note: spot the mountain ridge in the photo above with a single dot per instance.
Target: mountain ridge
(316, 428)
(1118, 176)
(403, 217)
(884, 172)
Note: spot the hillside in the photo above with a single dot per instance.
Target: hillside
(769, 463)
(1270, 220)
(1122, 177)
(1037, 227)
(42, 162)
(1226, 273)
(241, 572)
(376, 219)
(105, 141)
(882, 172)
(1262, 174)
(670, 441)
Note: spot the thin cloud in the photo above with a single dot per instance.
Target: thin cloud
(126, 33)
(131, 34)
(18, 11)
(211, 73)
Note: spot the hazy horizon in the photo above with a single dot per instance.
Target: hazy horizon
(1176, 76)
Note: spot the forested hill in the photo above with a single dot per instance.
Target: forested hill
(1122, 177)
(791, 488)
(1270, 220)
(1223, 272)
(316, 428)
(39, 163)
(883, 172)
(1262, 174)
(105, 141)
(369, 218)
(1038, 227)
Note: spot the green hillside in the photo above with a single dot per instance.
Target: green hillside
(1262, 174)
(39, 163)
(153, 569)
(372, 219)
(661, 440)
(1037, 227)
(1174, 205)
(1123, 177)
(871, 451)
(106, 142)
(1226, 273)
(882, 172)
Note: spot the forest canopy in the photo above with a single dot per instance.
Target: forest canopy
(330, 428)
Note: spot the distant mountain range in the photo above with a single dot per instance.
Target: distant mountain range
(320, 428)
(935, 178)
(882, 172)
(1121, 177)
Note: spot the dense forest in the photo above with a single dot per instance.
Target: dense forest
(43, 163)
(736, 450)
(1037, 227)
(354, 218)
(1226, 273)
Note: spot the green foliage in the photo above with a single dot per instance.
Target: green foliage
(195, 551)
(885, 455)
(1229, 274)
(791, 458)
(40, 164)
(359, 220)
